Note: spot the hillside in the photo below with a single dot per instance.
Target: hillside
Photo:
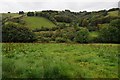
(66, 26)
(10, 15)
(38, 22)
(113, 13)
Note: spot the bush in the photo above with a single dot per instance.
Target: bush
(17, 20)
(92, 28)
(60, 18)
(21, 12)
(30, 14)
(109, 34)
(44, 39)
(115, 23)
(69, 33)
(93, 39)
(82, 35)
(12, 32)
(60, 39)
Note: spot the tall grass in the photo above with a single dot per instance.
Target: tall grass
(60, 61)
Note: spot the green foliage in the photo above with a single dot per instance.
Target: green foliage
(21, 12)
(30, 14)
(18, 20)
(109, 34)
(82, 35)
(85, 22)
(65, 35)
(6, 17)
(115, 23)
(12, 32)
(44, 39)
(60, 40)
(64, 24)
(99, 20)
(93, 37)
(41, 29)
(60, 18)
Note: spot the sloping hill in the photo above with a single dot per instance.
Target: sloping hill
(113, 13)
(10, 15)
(37, 22)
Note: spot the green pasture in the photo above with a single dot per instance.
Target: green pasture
(38, 22)
(54, 60)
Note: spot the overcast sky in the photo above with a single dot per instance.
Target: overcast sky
(73, 5)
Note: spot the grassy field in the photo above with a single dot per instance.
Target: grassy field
(113, 13)
(66, 61)
(10, 15)
(37, 22)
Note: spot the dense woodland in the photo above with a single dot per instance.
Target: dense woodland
(70, 27)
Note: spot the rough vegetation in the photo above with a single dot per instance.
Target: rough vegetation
(64, 26)
(64, 44)
(12, 32)
(67, 61)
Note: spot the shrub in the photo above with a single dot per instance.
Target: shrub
(60, 39)
(93, 39)
(44, 39)
(109, 34)
(115, 23)
(92, 28)
(30, 14)
(82, 35)
(60, 18)
(16, 33)
(68, 33)
(21, 12)
(17, 20)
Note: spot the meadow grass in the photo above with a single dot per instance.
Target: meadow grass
(68, 61)
(38, 22)
(113, 13)
(12, 15)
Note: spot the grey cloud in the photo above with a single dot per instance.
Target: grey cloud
(38, 6)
